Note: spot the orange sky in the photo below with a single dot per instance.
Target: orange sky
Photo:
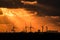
(21, 18)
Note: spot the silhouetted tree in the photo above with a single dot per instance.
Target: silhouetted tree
(38, 30)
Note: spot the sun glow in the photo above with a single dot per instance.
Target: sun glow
(20, 18)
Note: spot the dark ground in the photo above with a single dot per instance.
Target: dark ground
(28, 36)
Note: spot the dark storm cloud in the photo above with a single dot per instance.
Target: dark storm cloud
(54, 11)
(43, 11)
(55, 3)
(30, 7)
(48, 12)
(10, 3)
(50, 8)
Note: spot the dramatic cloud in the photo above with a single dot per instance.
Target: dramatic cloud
(49, 7)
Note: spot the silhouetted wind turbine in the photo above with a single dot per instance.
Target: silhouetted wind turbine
(13, 29)
(46, 28)
(30, 27)
(25, 27)
(42, 28)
